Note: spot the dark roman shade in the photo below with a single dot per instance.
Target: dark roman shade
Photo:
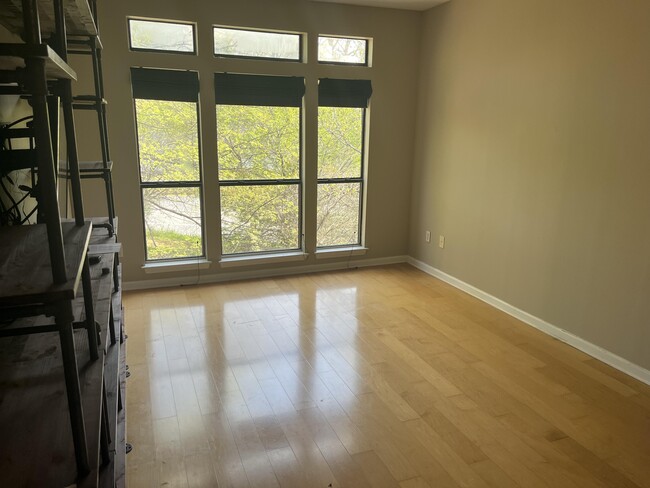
(277, 91)
(165, 84)
(344, 93)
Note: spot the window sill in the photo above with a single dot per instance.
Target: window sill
(339, 252)
(251, 260)
(174, 266)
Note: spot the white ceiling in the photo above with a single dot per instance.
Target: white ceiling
(403, 4)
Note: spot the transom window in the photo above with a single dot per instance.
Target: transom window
(342, 50)
(259, 152)
(247, 43)
(164, 36)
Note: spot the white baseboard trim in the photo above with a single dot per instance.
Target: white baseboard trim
(259, 273)
(587, 347)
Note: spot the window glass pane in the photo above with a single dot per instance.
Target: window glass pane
(342, 50)
(258, 142)
(168, 140)
(162, 36)
(340, 142)
(257, 44)
(338, 214)
(259, 218)
(172, 218)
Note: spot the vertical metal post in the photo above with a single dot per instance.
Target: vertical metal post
(68, 117)
(105, 438)
(103, 136)
(93, 337)
(60, 39)
(111, 325)
(93, 9)
(73, 389)
(75, 178)
(105, 412)
(53, 113)
(103, 129)
(47, 197)
(71, 143)
(31, 22)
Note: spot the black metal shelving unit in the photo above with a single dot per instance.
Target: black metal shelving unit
(47, 284)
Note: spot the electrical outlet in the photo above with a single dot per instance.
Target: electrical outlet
(441, 242)
(427, 236)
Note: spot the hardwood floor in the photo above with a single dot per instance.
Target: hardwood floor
(378, 377)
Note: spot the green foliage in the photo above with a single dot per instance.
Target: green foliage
(166, 244)
(172, 211)
(339, 142)
(340, 146)
(237, 42)
(254, 143)
(338, 214)
(259, 218)
(342, 50)
(161, 35)
(168, 145)
(258, 143)
(168, 140)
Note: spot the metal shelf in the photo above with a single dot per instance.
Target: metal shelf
(78, 17)
(30, 376)
(25, 264)
(87, 169)
(42, 266)
(13, 56)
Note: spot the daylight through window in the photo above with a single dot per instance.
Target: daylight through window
(154, 35)
(342, 50)
(259, 153)
(280, 46)
(169, 158)
(341, 134)
(260, 173)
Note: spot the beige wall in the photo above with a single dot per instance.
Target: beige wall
(533, 159)
(530, 143)
(392, 124)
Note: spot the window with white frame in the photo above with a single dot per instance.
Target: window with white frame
(341, 160)
(167, 126)
(343, 50)
(231, 42)
(162, 36)
(259, 151)
(259, 121)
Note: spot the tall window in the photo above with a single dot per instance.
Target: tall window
(341, 160)
(259, 152)
(167, 124)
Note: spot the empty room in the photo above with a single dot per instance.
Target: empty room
(325, 243)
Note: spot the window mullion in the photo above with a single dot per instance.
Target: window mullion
(171, 184)
(340, 180)
(258, 182)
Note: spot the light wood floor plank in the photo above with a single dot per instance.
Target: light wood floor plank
(379, 377)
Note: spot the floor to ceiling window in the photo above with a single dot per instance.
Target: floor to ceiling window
(260, 141)
(167, 125)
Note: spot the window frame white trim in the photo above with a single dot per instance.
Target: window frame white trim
(339, 252)
(232, 260)
(154, 267)
(195, 42)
